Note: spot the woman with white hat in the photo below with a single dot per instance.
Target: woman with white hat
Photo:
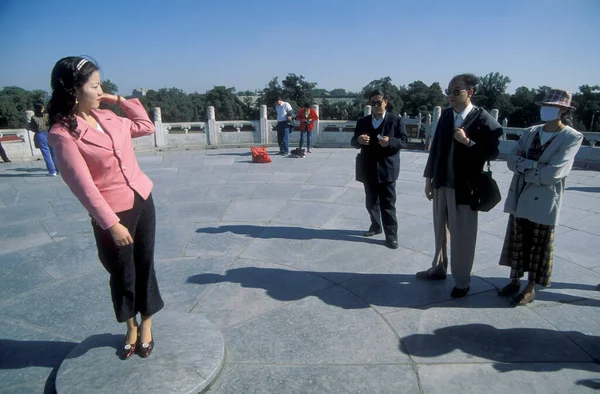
(541, 162)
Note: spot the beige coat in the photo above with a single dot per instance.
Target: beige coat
(536, 190)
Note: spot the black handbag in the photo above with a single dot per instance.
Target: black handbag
(359, 166)
(484, 191)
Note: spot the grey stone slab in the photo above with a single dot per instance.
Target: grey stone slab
(578, 247)
(170, 368)
(236, 179)
(195, 170)
(335, 170)
(580, 200)
(416, 235)
(21, 236)
(73, 308)
(301, 333)
(24, 212)
(479, 329)
(176, 279)
(229, 192)
(414, 205)
(329, 179)
(28, 357)
(306, 213)
(222, 238)
(19, 274)
(251, 288)
(71, 257)
(590, 223)
(318, 193)
(348, 219)
(578, 320)
(60, 229)
(570, 216)
(276, 191)
(208, 179)
(171, 240)
(296, 379)
(410, 187)
(171, 182)
(163, 212)
(203, 211)
(235, 169)
(354, 197)
(177, 194)
(70, 210)
(32, 193)
(510, 378)
(392, 286)
(253, 210)
(289, 177)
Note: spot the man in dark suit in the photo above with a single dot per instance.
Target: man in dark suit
(380, 136)
(465, 138)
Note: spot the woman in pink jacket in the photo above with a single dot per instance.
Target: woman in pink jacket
(95, 154)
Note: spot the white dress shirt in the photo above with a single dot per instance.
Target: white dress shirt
(282, 111)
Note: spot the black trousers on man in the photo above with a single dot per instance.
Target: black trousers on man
(380, 201)
(133, 283)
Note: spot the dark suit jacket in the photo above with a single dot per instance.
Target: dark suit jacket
(379, 162)
(482, 129)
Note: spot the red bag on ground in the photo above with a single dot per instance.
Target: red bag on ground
(260, 155)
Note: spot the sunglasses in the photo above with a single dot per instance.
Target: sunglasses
(377, 103)
(455, 92)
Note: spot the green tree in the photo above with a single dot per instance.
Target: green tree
(14, 101)
(587, 101)
(175, 104)
(227, 105)
(385, 86)
(297, 90)
(490, 93)
(109, 87)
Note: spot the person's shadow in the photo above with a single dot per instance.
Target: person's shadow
(290, 232)
(523, 349)
(366, 289)
(50, 354)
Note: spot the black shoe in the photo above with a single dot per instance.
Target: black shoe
(509, 289)
(391, 243)
(459, 293)
(429, 275)
(280, 153)
(146, 348)
(371, 233)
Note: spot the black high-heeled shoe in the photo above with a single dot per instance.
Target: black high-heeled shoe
(128, 349)
(146, 348)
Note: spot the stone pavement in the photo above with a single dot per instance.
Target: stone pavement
(271, 255)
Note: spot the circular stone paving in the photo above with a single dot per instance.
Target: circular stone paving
(183, 361)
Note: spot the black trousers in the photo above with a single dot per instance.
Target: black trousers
(380, 201)
(133, 284)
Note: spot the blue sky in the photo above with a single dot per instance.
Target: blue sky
(195, 45)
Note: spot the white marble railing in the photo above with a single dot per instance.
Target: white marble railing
(214, 134)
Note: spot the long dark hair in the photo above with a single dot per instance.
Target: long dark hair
(68, 74)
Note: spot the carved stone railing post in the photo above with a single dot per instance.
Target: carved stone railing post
(316, 133)
(367, 110)
(437, 113)
(494, 114)
(264, 125)
(30, 134)
(160, 135)
(211, 127)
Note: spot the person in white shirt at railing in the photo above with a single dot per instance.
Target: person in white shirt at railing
(285, 113)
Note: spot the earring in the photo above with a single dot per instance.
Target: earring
(76, 102)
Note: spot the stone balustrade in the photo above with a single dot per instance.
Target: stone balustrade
(237, 133)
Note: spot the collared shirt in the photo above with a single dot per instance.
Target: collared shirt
(282, 111)
(459, 118)
(377, 122)
(99, 128)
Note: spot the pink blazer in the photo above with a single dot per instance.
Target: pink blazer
(101, 168)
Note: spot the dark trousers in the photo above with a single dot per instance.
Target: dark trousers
(3, 154)
(133, 284)
(380, 201)
(283, 136)
(308, 139)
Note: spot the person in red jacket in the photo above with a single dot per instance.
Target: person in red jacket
(95, 155)
(307, 117)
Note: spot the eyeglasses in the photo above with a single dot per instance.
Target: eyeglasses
(377, 103)
(455, 92)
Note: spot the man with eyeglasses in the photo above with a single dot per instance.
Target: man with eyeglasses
(466, 137)
(380, 136)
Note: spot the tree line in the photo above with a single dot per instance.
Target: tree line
(519, 108)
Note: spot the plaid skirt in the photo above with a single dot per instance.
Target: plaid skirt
(528, 247)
